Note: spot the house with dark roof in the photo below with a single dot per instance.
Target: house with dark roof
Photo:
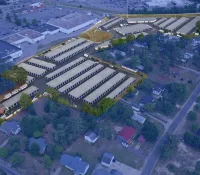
(158, 89)
(146, 100)
(91, 137)
(126, 134)
(41, 142)
(107, 159)
(10, 127)
(75, 164)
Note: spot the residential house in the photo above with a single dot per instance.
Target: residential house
(75, 164)
(137, 117)
(41, 142)
(136, 107)
(158, 90)
(146, 100)
(107, 159)
(91, 137)
(10, 127)
(126, 134)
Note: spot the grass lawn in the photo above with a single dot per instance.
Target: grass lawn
(66, 171)
(96, 35)
(93, 153)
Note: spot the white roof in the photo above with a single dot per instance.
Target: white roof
(32, 69)
(159, 21)
(167, 22)
(177, 23)
(42, 63)
(131, 20)
(29, 79)
(91, 83)
(112, 22)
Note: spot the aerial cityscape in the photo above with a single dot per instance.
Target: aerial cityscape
(100, 87)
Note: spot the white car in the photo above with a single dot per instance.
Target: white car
(15, 91)
(7, 96)
(125, 144)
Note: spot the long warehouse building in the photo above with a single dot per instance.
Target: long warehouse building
(110, 24)
(105, 88)
(92, 83)
(64, 48)
(32, 70)
(73, 52)
(159, 21)
(141, 20)
(29, 79)
(65, 68)
(71, 74)
(133, 29)
(177, 24)
(189, 26)
(41, 64)
(166, 23)
(114, 94)
(14, 101)
(69, 86)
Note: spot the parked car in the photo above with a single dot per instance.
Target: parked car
(125, 144)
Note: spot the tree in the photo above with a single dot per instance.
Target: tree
(24, 20)
(149, 107)
(34, 22)
(192, 139)
(130, 37)
(34, 149)
(31, 110)
(37, 134)
(146, 86)
(150, 131)
(53, 151)
(54, 94)
(18, 22)
(192, 116)
(25, 100)
(195, 128)
(47, 162)
(24, 142)
(197, 107)
(8, 18)
(140, 36)
(198, 99)
(16, 159)
(4, 153)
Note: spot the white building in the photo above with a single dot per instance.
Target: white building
(91, 137)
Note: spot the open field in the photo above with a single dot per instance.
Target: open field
(96, 35)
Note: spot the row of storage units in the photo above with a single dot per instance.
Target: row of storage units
(91, 83)
(41, 64)
(105, 88)
(69, 86)
(65, 68)
(73, 52)
(120, 89)
(64, 48)
(71, 74)
(29, 79)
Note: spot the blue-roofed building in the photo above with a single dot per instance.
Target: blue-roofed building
(107, 159)
(9, 51)
(75, 164)
(46, 29)
(10, 127)
(41, 142)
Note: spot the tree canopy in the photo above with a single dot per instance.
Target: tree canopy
(25, 101)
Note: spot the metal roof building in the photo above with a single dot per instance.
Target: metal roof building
(112, 23)
(166, 23)
(29, 79)
(41, 64)
(141, 20)
(133, 29)
(71, 74)
(92, 83)
(105, 88)
(159, 21)
(121, 88)
(187, 28)
(64, 48)
(13, 101)
(177, 24)
(32, 70)
(73, 52)
(69, 86)
(65, 68)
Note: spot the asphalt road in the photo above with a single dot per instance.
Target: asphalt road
(8, 170)
(154, 156)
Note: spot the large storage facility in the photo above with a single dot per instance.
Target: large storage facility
(166, 23)
(177, 24)
(41, 64)
(141, 20)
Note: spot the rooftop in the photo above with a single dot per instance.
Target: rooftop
(41, 142)
(30, 34)
(9, 126)
(45, 27)
(92, 135)
(127, 132)
(107, 158)
(13, 38)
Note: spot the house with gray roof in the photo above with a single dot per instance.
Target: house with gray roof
(41, 142)
(75, 164)
(107, 159)
(91, 137)
(10, 127)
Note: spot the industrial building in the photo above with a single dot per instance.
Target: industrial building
(177, 24)
(65, 68)
(103, 45)
(69, 86)
(92, 83)
(159, 21)
(41, 64)
(73, 52)
(115, 93)
(15, 39)
(9, 52)
(64, 48)
(187, 28)
(105, 88)
(71, 74)
(141, 20)
(14, 101)
(31, 35)
(166, 23)
(133, 29)
(32, 70)
(46, 29)
(73, 22)
(29, 79)
(112, 23)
